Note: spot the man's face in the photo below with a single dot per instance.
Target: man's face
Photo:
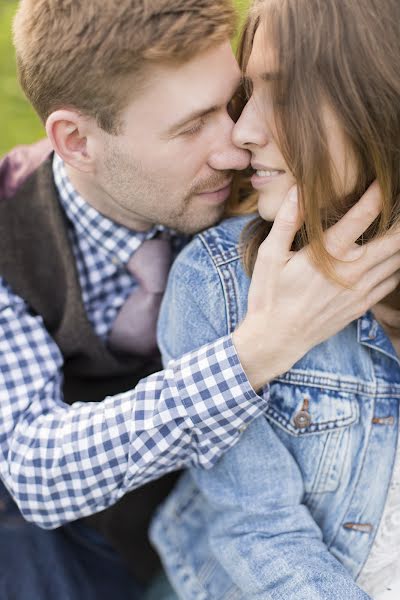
(173, 162)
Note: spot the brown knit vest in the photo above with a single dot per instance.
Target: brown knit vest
(37, 260)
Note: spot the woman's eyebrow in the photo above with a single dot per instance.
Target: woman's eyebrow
(270, 76)
(247, 79)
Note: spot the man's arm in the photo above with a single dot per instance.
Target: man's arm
(293, 306)
(63, 462)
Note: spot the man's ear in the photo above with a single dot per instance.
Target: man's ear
(67, 131)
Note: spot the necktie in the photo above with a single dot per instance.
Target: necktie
(134, 329)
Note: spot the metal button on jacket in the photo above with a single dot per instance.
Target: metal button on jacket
(302, 419)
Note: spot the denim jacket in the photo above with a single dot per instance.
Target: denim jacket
(292, 510)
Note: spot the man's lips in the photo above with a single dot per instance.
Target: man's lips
(218, 194)
(220, 187)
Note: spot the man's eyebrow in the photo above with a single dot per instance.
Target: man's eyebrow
(196, 114)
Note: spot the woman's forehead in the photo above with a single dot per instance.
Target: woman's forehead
(262, 60)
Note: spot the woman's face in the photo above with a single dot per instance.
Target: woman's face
(255, 131)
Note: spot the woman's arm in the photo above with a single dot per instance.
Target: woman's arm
(259, 529)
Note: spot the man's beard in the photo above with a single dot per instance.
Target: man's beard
(191, 222)
(124, 180)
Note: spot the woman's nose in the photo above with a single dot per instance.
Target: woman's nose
(250, 129)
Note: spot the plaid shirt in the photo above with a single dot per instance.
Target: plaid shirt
(64, 462)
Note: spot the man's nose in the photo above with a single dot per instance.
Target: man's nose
(230, 159)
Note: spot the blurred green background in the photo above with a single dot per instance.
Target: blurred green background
(19, 122)
(20, 125)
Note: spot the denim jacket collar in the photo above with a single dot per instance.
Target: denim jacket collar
(370, 333)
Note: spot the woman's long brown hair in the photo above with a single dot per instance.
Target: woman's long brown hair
(345, 53)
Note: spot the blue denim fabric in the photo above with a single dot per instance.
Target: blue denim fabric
(292, 510)
(69, 563)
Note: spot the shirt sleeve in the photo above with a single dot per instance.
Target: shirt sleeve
(64, 462)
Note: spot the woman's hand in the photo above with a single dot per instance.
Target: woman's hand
(293, 306)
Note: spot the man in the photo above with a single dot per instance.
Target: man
(135, 98)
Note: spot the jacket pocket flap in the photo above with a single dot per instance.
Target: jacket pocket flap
(302, 410)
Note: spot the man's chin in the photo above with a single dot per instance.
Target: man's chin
(199, 223)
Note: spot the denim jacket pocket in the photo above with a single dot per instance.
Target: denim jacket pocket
(314, 423)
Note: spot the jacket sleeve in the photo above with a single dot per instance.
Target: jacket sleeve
(259, 529)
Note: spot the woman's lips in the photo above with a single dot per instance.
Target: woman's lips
(264, 175)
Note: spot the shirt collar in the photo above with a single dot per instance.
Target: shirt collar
(103, 234)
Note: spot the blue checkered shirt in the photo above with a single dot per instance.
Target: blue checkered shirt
(64, 462)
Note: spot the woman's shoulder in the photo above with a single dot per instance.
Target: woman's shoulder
(199, 306)
(220, 243)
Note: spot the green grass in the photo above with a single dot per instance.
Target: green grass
(20, 124)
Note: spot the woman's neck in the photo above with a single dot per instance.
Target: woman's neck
(387, 312)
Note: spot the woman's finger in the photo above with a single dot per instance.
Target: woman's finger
(340, 238)
(277, 247)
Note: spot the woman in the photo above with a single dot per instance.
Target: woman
(305, 506)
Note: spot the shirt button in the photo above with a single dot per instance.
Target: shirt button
(302, 419)
(243, 428)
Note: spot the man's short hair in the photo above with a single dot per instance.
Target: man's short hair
(92, 55)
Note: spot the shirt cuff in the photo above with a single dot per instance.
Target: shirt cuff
(218, 397)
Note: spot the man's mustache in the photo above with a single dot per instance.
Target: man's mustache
(214, 182)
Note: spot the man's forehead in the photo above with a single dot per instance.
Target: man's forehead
(217, 64)
(173, 93)
(200, 107)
